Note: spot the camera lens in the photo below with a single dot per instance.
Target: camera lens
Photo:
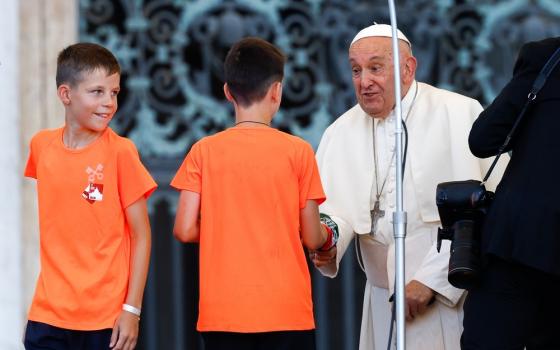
(464, 262)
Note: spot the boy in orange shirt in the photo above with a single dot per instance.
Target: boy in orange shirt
(94, 227)
(250, 195)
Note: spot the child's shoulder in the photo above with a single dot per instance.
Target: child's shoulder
(120, 143)
(220, 138)
(294, 140)
(225, 136)
(45, 136)
(207, 141)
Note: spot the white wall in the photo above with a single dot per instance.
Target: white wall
(11, 303)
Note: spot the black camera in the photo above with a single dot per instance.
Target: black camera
(462, 207)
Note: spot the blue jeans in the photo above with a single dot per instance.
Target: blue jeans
(42, 336)
(284, 340)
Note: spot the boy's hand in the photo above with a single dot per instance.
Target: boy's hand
(125, 332)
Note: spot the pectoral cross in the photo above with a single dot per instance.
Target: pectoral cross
(376, 214)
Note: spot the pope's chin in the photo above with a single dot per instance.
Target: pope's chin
(370, 108)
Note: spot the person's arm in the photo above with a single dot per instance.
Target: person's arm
(327, 262)
(313, 233)
(187, 219)
(125, 331)
(430, 283)
(490, 129)
(432, 274)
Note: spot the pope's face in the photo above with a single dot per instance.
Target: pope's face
(371, 60)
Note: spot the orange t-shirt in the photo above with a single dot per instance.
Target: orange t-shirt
(253, 272)
(84, 235)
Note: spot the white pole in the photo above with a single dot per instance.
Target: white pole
(399, 216)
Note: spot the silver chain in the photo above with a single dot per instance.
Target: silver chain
(379, 191)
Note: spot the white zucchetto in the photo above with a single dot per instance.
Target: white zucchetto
(383, 30)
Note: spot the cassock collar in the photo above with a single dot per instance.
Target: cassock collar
(406, 104)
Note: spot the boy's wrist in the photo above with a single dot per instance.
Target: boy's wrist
(328, 240)
(332, 232)
(133, 310)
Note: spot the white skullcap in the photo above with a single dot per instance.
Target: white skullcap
(383, 30)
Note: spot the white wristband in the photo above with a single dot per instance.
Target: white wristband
(131, 309)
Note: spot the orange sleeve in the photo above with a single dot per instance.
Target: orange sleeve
(134, 181)
(189, 175)
(310, 186)
(31, 166)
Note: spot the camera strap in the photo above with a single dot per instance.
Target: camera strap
(537, 86)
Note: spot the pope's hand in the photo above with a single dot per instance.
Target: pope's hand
(418, 298)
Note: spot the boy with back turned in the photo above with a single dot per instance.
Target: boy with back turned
(250, 196)
(94, 228)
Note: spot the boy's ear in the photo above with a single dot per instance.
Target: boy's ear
(276, 91)
(63, 93)
(228, 93)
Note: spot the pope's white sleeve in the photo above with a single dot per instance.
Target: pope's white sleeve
(433, 273)
(346, 234)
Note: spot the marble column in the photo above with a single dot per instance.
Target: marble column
(11, 301)
(32, 32)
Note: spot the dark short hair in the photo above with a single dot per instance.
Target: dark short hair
(251, 66)
(80, 58)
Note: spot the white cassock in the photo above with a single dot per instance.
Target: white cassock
(438, 127)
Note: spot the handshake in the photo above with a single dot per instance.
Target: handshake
(326, 254)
